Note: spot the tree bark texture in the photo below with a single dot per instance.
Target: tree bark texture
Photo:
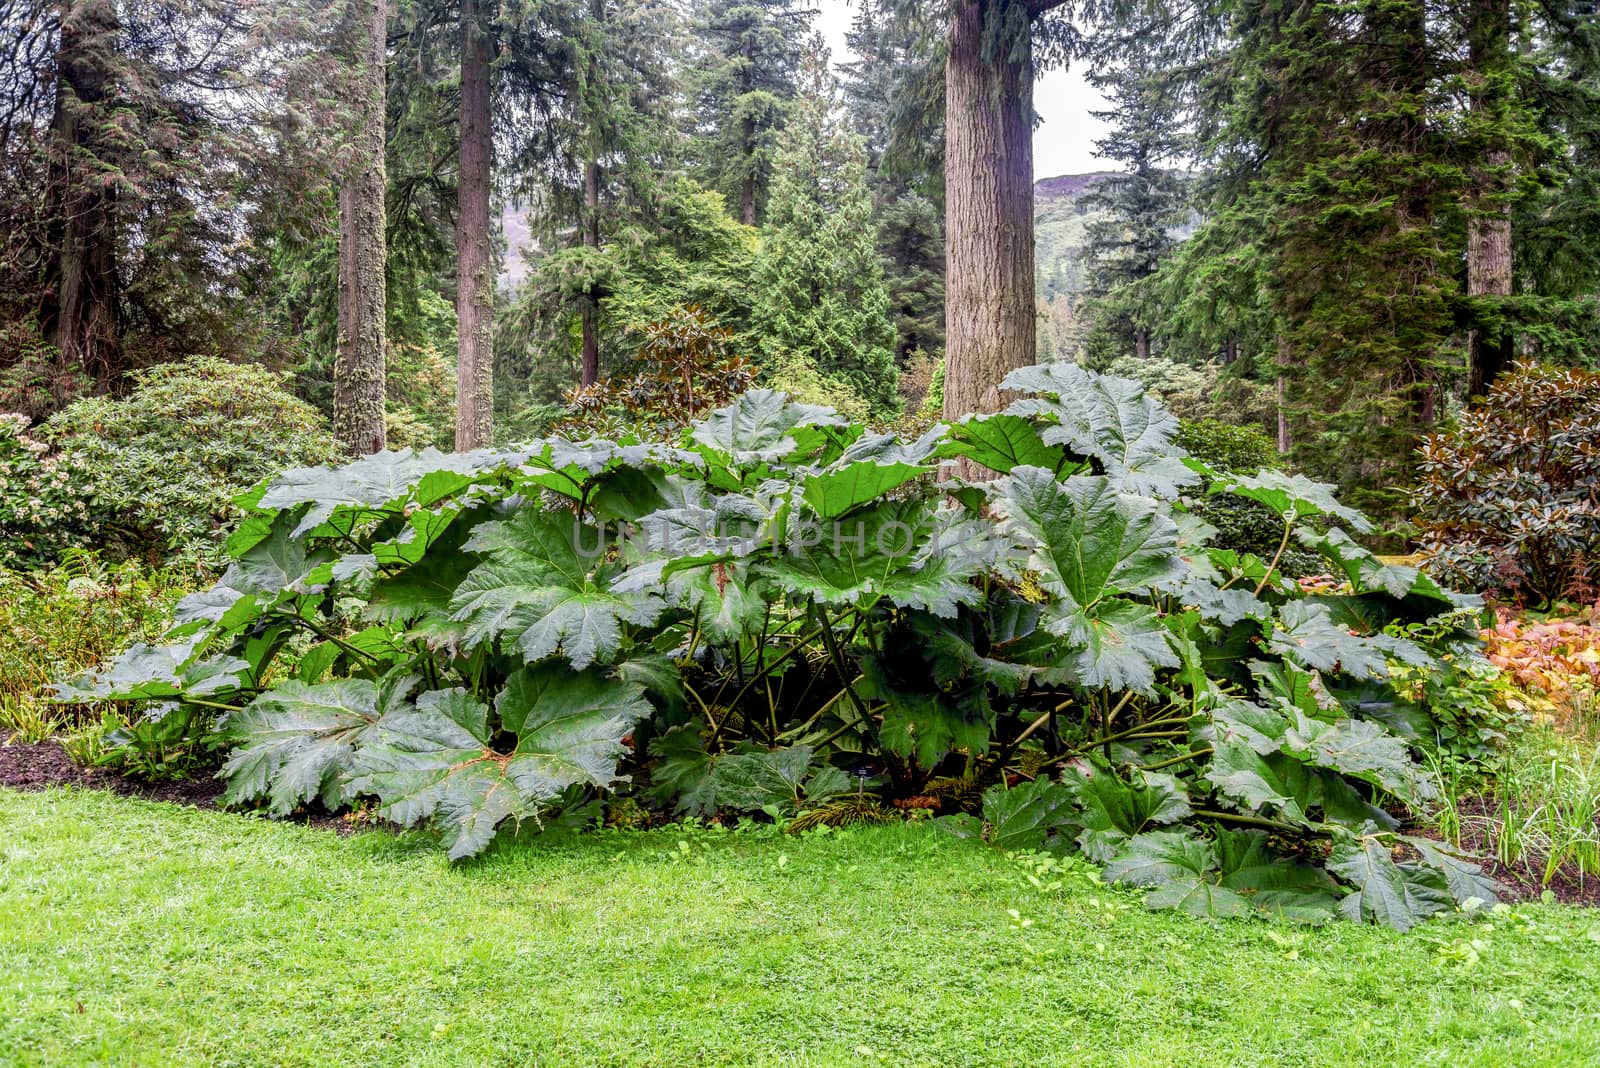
(359, 368)
(474, 257)
(1490, 347)
(989, 298)
(590, 308)
(80, 313)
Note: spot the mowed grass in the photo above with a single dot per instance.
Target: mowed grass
(136, 933)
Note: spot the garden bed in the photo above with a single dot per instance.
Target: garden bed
(43, 765)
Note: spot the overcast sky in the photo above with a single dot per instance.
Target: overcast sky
(1063, 144)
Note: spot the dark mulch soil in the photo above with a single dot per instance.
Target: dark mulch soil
(41, 765)
(1521, 883)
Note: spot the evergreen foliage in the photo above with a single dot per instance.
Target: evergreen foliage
(741, 83)
(819, 293)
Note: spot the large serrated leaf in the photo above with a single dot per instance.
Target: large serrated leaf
(1158, 856)
(1112, 811)
(535, 592)
(1085, 539)
(1004, 443)
(763, 426)
(154, 673)
(569, 727)
(383, 478)
(1385, 894)
(1020, 817)
(1291, 497)
(1309, 636)
(762, 779)
(1117, 647)
(434, 760)
(1111, 419)
(1276, 884)
(298, 742)
(900, 551)
(1357, 748)
(871, 468)
(1254, 781)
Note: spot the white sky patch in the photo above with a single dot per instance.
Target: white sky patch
(1062, 144)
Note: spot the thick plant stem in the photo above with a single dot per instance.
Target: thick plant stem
(1196, 755)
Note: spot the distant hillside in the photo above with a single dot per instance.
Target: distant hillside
(1060, 231)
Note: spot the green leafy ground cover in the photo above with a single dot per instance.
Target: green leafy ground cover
(140, 933)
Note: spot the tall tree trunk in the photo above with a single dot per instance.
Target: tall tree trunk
(989, 299)
(358, 371)
(1285, 439)
(81, 307)
(474, 259)
(1490, 346)
(590, 310)
(747, 186)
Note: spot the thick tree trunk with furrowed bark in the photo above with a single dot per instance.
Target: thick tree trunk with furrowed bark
(358, 373)
(80, 312)
(590, 307)
(474, 257)
(989, 298)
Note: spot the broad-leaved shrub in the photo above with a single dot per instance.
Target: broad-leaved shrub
(780, 614)
(162, 465)
(1507, 499)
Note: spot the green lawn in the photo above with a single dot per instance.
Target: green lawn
(138, 933)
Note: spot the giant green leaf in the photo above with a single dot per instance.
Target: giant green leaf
(298, 741)
(371, 482)
(535, 592)
(152, 673)
(1021, 816)
(434, 759)
(1254, 781)
(869, 469)
(1291, 497)
(569, 727)
(1111, 419)
(1358, 748)
(760, 780)
(1385, 893)
(1262, 729)
(1182, 871)
(1309, 636)
(1280, 885)
(682, 773)
(1086, 540)
(763, 426)
(1116, 647)
(900, 551)
(1004, 442)
(1465, 879)
(1113, 810)
(924, 725)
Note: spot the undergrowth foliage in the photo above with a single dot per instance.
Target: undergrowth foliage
(778, 613)
(1507, 499)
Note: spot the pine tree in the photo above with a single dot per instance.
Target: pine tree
(741, 84)
(819, 290)
(604, 146)
(1142, 207)
(358, 377)
(903, 170)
